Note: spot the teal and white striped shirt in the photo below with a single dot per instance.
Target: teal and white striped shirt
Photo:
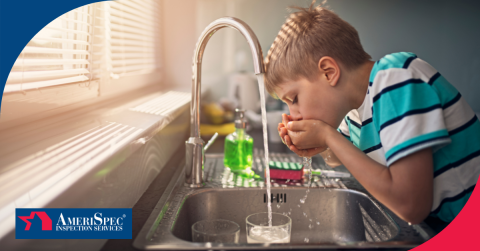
(409, 106)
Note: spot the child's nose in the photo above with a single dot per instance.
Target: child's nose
(295, 115)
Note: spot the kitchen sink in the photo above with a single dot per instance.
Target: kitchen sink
(327, 216)
(338, 213)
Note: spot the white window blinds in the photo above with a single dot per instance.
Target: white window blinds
(100, 41)
(134, 36)
(58, 54)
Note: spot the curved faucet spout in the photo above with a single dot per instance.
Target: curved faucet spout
(194, 145)
(213, 27)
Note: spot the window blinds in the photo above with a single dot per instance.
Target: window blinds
(111, 38)
(56, 55)
(134, 36)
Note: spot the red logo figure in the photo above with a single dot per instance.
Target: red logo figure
(46, 221)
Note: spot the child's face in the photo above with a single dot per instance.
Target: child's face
(312, 101)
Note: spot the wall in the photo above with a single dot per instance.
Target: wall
(443, 33)
(179, 37)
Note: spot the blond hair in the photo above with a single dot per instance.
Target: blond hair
(308, 35)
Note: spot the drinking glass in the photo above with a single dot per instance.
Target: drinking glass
(259, 231)
(219, 231)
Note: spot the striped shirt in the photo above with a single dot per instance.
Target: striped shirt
(409, 106)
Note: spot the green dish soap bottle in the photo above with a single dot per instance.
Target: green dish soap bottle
(239, 147)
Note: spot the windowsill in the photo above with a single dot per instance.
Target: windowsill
(20, 108)
(41, 160)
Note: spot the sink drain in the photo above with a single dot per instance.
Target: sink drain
(279, 198)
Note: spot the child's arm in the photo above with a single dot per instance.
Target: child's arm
(406, 187)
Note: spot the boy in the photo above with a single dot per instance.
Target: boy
(416, 142)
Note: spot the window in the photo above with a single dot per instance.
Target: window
(95, 50)
(58, 54)
(133, 37)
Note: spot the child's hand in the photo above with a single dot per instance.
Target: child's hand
(308, 134)
(304, 152)
(282, 130)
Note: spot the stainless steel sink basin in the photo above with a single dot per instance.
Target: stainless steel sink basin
(328, 215)
(338, 213)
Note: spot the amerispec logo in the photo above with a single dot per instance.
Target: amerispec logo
(95, 223)
(46, 221)
(73, 223)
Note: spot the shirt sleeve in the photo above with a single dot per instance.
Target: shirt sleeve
(343, 129)
(407, 114)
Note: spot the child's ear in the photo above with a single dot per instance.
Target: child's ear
(329, 70)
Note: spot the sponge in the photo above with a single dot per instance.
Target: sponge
(285, 170)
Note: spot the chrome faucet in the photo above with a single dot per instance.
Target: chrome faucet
(194, 145)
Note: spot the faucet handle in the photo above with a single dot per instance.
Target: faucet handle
(194, 154)
(210, 142)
